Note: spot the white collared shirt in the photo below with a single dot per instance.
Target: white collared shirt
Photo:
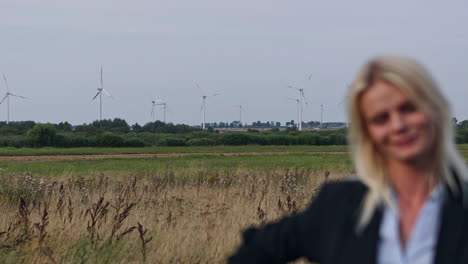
(421, 245)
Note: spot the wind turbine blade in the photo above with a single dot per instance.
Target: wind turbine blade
(108, 94)
(216, 94)
(96, 95)
(343, 101)
(199, 88)
(6, 95)
(6, 83)
(305, 99)
(102, 84)
(310, 76)
(19, 96)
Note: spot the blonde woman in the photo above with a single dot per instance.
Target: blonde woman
(409, 203)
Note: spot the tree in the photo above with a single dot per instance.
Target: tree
(64, 126)
(136, 127)
(463, 124)
(42, 135)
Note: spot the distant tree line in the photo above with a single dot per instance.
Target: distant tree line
(117, 133)
(273, 124)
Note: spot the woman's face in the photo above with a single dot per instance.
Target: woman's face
(400, 131)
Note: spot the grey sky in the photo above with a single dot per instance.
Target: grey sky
(249, 51)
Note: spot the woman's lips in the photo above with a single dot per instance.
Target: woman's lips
(404, 142)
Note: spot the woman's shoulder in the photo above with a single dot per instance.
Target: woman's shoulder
(348, 186)
(340, 193)
(306, 233)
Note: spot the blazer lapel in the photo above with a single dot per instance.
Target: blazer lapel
(362, 248)
(367, 248)
(451, 230)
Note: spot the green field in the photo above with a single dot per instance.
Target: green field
(187, 165)
(184, 165)
(164, 150)
(158, 150)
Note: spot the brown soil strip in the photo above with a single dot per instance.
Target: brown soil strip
(109, 156)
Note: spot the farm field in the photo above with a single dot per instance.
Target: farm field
(186, 167)
(166, 150)
(9, 151)
(187, 209)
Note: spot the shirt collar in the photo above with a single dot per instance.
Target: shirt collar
(435, 195)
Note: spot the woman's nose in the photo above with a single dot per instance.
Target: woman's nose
(398, 122)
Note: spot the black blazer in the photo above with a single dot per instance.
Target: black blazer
(325, 232)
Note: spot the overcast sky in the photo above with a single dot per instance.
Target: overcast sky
(247, 50)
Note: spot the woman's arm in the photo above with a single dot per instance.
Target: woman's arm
(286, 240)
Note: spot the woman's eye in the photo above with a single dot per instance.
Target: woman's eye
(380, 119)
(408, 108)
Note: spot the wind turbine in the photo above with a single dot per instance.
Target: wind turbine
(299, 109)
(153, 102)
(99, 93)
(203, 107)
(343, 101)
(240, 112)
(7, 98)
(164, 104)
(300, 99)
(321, 115)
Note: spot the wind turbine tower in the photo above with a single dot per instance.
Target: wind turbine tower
(321, 115)
(204, 111)
(153, 102)
(300, 102)
(240, 112)
(203, 107)
(164, 104)
(298, 109)
(99, 93)
(7, 98)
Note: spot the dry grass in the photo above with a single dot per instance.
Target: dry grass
(136, 218)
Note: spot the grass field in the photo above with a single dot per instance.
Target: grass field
(162, 150)
(192, 207)
(188, 166)
(188, 209)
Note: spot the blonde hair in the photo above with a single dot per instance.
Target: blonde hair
(416, 82)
